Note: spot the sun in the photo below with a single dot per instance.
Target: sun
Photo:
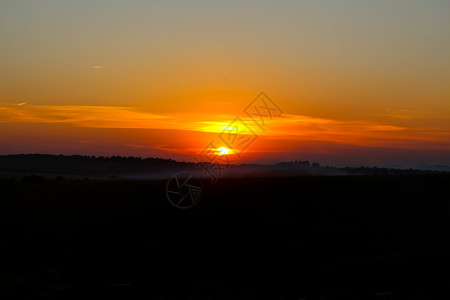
(222, 151)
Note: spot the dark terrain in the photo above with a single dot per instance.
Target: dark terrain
(48, 167)
(334, 237)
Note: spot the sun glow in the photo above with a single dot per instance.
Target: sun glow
(215, 126)
(222, 151)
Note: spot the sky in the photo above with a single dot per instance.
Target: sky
(356, 82)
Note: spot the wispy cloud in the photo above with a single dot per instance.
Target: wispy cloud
(361, 133)
(83, 116)
(410, 114)
(288, 127)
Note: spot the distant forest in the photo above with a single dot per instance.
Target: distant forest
(121, 167)
(85, 165)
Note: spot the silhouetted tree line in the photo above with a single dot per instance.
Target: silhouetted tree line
(111, 166)
(316, 169)
(50, 157)
(89, 165)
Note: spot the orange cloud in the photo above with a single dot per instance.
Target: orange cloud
(286, 129)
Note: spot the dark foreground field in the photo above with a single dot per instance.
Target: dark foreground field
(383, 237)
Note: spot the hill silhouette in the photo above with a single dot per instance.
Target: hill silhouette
(58, 167)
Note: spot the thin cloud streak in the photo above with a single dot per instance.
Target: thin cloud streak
(288, 127)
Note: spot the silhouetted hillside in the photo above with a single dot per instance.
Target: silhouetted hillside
(95, 166)
(117, 167)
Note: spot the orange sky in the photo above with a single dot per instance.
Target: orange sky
(359, 82)
(109, 130)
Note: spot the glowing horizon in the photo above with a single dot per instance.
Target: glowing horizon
(286, 130)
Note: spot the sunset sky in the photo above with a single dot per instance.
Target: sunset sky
(358, 82)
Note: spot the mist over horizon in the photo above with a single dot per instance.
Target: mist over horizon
(37, 167)
(395, 162)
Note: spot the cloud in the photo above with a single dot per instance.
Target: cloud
(288, 127)
(83, 116)
(98, 67)
(22, 103)
(410, 114)
(317, 127)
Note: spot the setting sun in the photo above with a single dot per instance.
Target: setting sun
(223, 151)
